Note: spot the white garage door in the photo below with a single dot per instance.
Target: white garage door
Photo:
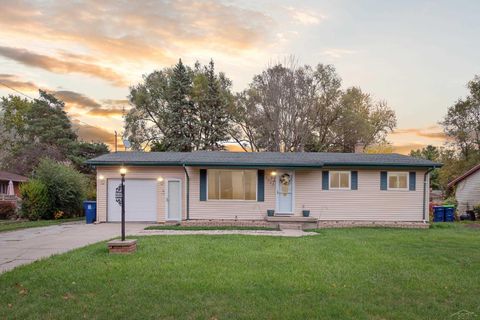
(140, 200)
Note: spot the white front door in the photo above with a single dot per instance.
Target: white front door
(140, 200)
(174, 200)
(285, 189)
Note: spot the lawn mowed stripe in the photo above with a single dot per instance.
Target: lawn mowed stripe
(343, 273)
(11, 225)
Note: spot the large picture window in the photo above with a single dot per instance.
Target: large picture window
(398, 180)
(340, 180)
(232, 184)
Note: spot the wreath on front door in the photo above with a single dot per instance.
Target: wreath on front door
(285, 179)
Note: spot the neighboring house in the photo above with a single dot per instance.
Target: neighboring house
(5, 178)
(467, 189)
(218, 186)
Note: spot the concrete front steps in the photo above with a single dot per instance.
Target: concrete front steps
(293, 222)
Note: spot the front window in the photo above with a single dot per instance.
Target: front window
(398, 180)
(232, 184)
(340, 180)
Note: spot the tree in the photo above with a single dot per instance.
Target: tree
(362, 121)
(431, 153)
(462, 122)
(31, 130)
(180, 109)
(290, 108)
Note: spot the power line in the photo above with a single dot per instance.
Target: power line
(17, 91)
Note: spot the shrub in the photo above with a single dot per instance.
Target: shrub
(66, 187)
(35, 200)
(7, 209)
(476, 209)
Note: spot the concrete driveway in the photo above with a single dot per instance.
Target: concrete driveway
(27, 245)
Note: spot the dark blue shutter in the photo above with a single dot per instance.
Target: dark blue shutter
(412, 181)
(261, 185)
(325, 180)
(203, 185)
(383, 180)
(354, 178)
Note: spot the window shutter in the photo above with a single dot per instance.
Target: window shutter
(325, 180)
(354, 178)
(203, 185)
(261, 185)
(412, 181)
(383, 180)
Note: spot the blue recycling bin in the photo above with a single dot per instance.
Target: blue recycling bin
(438, 214)
(90, 208)
(449, 213)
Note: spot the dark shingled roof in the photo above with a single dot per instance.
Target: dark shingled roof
(260, 159)
(7, 176)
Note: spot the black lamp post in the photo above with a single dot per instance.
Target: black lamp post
(123, 171)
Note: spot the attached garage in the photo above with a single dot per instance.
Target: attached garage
(140, 200)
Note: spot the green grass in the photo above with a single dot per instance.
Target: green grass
(197, 228)
(337, 274)
(10, 225)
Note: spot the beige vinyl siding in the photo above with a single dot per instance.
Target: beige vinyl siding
(139, 173)
(366, 203)
(467, 192)
(229, 209)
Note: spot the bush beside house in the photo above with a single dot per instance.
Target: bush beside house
(56, 191)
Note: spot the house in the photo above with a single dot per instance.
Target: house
(5, 178)
(212, 187)
(467, 189)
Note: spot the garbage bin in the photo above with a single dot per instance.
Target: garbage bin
(90, 208)
(438, 214)
(449, 213)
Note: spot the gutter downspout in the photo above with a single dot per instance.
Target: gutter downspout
(424, 205)
(188, 192)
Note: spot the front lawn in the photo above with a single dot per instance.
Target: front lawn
(10, 225)
(197, 228)
(337, 274)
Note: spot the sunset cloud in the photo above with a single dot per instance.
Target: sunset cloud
(16, 83)
(94, 134)
(129, 32)
(63, 66)
(432, 132)
(104, 108)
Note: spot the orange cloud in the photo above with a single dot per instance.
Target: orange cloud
(126, 32)
(95, 134)
(52, 64)
(432, 132)
(15, 82)
(94, 108)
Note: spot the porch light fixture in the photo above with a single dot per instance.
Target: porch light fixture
(101, 177)
(160, 179)
(273, 173)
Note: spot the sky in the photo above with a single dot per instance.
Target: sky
(415, 55)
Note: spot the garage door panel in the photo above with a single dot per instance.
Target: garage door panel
(140, 200)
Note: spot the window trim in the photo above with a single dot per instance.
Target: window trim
(330, 175)
(389, 173)
(236, 200)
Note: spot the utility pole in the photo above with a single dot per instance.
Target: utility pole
(115, 140)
